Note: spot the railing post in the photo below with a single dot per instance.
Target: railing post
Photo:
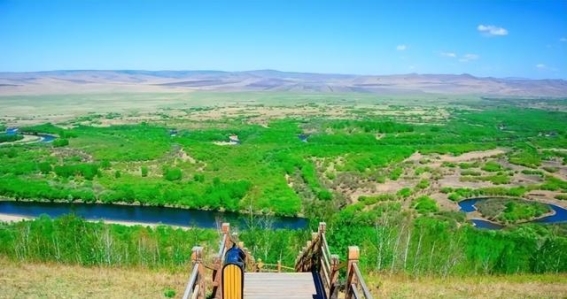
(279, 266)
(322, 227)
(196, 259)
(353, 256)
(309, 263)
(217, 272)
(334, 275)
(225, 229)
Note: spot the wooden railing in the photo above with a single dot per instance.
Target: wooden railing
(272, 268)
(316, 257)
(355, 286)
(196, 285)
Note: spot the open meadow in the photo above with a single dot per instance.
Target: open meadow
(385, 172)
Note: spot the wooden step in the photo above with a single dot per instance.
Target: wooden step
(279, 286)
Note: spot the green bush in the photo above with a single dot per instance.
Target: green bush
(144, 171)
(404, 192)
(492, 166)
(469, 165)
(172, 174)
(60, 142)
(422, 184)
(425, 204)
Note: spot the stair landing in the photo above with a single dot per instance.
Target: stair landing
(279, 286)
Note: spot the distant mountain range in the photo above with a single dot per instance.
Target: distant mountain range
(54, 82)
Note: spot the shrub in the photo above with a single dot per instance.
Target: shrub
(404, 192)
(425, 204)
(422, 184)
(492, 166)
(468, 165)
(172, 174)
(144, 171)
(61, 142)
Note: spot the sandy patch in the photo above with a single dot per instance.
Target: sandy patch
(547, 197)
(225, 143)
(185, 157)
(17, 218)
(444, 202)
(288, 180)
(476, 155)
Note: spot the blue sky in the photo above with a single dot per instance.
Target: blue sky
(496, 38)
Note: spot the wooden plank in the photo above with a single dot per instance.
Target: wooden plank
(279, 285)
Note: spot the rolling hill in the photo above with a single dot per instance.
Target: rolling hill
(80, 81)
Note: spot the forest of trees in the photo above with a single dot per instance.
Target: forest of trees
(422, 246)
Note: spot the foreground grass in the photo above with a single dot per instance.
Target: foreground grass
(38, 280)
(509, 286)
(31, 280)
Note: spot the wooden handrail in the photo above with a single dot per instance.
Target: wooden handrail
(227, 241)
(196, 285)
(316, 257)
(273, 268)
(355, 281)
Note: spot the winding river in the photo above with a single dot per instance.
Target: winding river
(468, 206)
(147, 214)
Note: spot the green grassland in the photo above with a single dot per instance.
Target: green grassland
(141, 163)
(390, 167)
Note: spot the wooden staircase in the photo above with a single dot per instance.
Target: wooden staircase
(279, 286)
(316, 273)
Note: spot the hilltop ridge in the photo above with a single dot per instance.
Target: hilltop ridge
(80, 81)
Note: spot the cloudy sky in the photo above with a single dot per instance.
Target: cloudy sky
(499, 38)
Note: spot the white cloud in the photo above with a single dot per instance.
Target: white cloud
(541, 66)
(469, 57)
(462, 58)
(449, 54)
(563, 39)
(545, 68)
(401, 47)
(491, 30)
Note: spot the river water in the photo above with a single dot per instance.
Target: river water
(148, 214)
(468, 205)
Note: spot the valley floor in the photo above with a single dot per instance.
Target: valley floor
(39, 280)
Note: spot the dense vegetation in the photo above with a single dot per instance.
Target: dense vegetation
(10, 137)
(144, 164)
(423, 246)
(352, 173)
(511, 210)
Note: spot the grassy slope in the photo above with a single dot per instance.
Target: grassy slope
(510, 286)
(26, 280)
